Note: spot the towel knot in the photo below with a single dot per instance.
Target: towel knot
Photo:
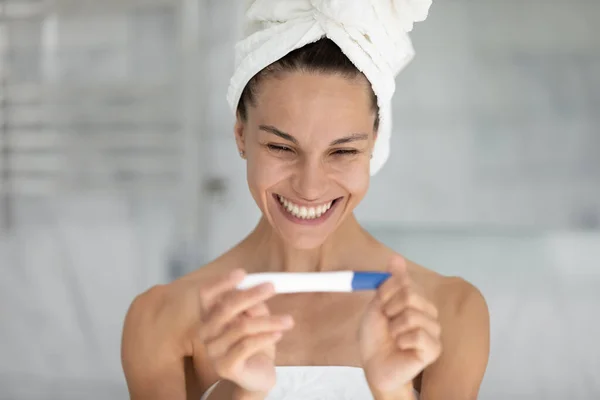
(402, 13)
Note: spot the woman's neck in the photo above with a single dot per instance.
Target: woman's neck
(272, 253)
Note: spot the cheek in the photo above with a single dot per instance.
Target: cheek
(263, 173)
(355, 178)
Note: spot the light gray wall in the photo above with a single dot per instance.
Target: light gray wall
(493, 175)
(496, 121)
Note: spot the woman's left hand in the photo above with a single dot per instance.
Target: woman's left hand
(399, 334)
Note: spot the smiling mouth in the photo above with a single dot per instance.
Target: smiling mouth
(303, 212)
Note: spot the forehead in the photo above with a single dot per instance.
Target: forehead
(306, 101)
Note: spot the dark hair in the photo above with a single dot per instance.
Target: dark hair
(322, 56)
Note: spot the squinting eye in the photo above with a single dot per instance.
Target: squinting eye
(345, 152)
(277, 148)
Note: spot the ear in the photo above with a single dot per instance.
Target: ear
(240, 136)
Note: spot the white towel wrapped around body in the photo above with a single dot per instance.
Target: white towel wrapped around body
(373, 34)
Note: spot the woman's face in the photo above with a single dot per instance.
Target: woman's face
(308, 142)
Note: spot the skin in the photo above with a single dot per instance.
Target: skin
(308, 138)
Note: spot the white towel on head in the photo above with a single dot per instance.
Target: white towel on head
(373, 34)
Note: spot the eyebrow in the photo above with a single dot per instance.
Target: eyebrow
(277, 132)
(286, 136)
(351, 138)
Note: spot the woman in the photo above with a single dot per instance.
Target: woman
(309, 125)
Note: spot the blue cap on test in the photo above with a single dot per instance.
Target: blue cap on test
(368, 280)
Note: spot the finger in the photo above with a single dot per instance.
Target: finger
(258, 310)
(247, 327)
(411, 319)
(214, 288)
(398, 265)
(246, 347)
(231, 305)
(407, 297)
(427, 347)
(400, 278)
(392, 285)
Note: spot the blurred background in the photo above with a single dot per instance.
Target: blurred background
(118, 171)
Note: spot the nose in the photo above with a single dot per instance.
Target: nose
(310, 180)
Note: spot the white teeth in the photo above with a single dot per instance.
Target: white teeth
(302, 211)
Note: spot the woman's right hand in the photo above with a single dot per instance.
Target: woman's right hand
(239, 334)
(210, 321)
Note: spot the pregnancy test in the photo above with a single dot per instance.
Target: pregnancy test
(299, 282)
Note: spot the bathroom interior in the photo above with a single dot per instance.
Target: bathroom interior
(119, 171)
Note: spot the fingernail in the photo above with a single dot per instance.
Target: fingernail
(277, 335)
(287, 321)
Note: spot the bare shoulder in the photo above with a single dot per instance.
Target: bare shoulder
(462, 306)
(180, 293)
(461, 298)
(222, 265)
(455, 297)
(465, 321)
(464, 318)
(153, 300)
(167, 315)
